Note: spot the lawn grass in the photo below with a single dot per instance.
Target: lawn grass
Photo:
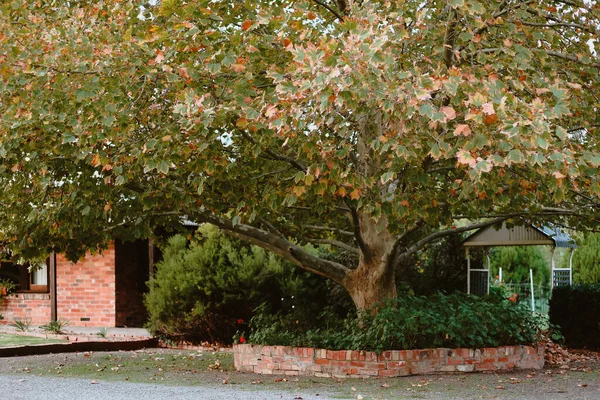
(10, 340)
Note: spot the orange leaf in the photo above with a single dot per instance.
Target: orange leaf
(449, 112)
(355, 195)
(96, 160)
(238, 67)
(462, 129)
(242, 123)
(490, 119)
(183, 72)
(246, 25)
(341, 192)
(299, 190)
(287, 43)
(404, 203)
(160, 56)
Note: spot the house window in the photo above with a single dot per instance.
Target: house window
(39, 279)
(12, 272)
(26, 281)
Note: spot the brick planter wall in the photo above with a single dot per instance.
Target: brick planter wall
(346, 363)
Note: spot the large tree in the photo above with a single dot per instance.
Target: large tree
(373, 126)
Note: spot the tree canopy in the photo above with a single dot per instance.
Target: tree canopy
(372, 126)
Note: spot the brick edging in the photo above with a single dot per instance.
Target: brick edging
(73, 347)
(283, 360)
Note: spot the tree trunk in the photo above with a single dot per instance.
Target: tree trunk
(370, 285)
(374, 280)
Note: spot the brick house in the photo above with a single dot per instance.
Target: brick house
(100, 290)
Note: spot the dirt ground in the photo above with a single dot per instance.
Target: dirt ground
(574, 380)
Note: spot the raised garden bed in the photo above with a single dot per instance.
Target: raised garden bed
(282, 360)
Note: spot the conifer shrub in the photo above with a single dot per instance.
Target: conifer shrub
(206, 289)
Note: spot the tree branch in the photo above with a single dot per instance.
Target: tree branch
(271, 227)
(570, 58)
(357, 233)
(449, 39)
(327, 228)
(440, 234)
(280, 246)
(330, 9)
(333, 242)
(276, 156)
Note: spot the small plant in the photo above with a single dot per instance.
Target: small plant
(22, 325)
(6, 287)
(102, 332)
(55, 327)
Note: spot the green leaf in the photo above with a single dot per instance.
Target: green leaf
(515, 157)
(69, 139)
(163, 167)
(387, 176)
(426, 109)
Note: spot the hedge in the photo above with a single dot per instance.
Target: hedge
(576, 309)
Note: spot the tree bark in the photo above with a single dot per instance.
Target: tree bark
(373, 281)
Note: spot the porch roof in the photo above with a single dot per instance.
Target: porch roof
(520, 235)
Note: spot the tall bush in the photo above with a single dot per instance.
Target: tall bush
(206, 288)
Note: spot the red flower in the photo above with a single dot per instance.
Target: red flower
(240, 321)
(242, 340)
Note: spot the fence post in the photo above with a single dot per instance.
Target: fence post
(552, 263)
(531, 285)
(468, 271)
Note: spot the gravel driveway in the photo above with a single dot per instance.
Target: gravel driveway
(44, 388)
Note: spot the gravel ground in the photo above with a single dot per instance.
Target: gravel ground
(169, 374)
(43, 388)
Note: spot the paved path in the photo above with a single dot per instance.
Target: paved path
(41, 388)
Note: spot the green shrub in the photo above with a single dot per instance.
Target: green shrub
(206, 289)
(410, 322)
(576, 309)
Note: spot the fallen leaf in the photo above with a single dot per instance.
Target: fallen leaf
(500, 387)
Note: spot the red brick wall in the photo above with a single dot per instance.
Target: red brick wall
(26, 306)
(85, 291)
(345, 363)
